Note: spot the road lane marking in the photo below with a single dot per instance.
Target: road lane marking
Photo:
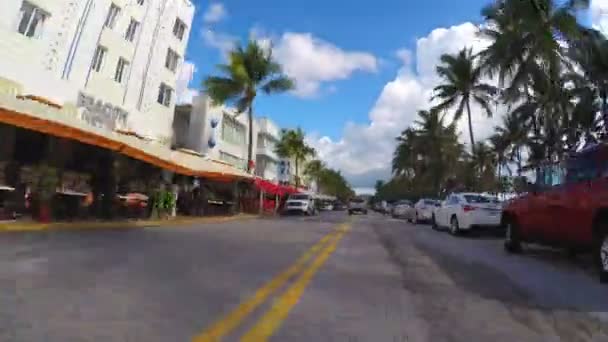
(270, 322)
(222, 327)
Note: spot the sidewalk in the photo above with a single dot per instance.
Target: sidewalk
(126, 224)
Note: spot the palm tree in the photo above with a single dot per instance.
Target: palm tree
(528, 43)
(292, 145)
(514, 135)
(426, 154)
(249, 70)
(314, 169)
(499, 146)
(463, 84)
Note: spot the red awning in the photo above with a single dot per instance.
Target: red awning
(274, 189)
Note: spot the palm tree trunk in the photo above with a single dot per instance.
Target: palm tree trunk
(519, 161)
(470, 127)
(250, 147)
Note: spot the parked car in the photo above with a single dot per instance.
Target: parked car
(464, 211)
(340, 206)
(423, 210)
(566, 207)
(402, 209)
(300, 203)
(357, 205)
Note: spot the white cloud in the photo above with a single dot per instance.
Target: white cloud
(183, 92)
(365, 151)
(312, 61)
(218, 40)
(599, 15)
(215, 13)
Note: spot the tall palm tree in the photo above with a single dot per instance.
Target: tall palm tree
(250, 69)
(292, 145)
(314, 169)
(514, 135)
(463, 84)
(528, 39)
(404, 156)
(499, 146)
(426, 153)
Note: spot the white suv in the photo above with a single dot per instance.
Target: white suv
(464, 211)
(300, 203)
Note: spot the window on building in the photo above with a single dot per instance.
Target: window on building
(112, 16)
(99, 57)
(32, 20)
(233, 160)
(232, 131)
(172, 60)
(132, 30)
(179, 29)
(140, 2)
(121, 70)
(164, 95)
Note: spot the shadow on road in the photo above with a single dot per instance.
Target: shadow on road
(540, 279)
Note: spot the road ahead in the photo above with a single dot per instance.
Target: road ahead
(327, 278)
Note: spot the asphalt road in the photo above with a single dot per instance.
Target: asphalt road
(324, 278)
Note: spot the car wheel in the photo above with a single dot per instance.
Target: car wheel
(602, 255)
(434, 222)
(512, 238)
(454, 228)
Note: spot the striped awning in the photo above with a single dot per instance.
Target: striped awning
(64, 122)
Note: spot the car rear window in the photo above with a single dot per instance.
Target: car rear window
(299, 197)
(429, 202)
(357, 200)
(476, 199)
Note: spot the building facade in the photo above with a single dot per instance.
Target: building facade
(214, 131)
(267, 161)
(217, 132)
(115, 61)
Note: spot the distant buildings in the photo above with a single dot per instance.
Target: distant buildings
(218, 133)
(116, 61)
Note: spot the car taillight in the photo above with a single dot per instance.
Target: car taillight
(468, 208)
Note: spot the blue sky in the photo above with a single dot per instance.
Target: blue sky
(380, 29)
(363, 68)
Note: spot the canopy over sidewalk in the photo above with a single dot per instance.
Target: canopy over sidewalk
(64, 122)
(274, 189)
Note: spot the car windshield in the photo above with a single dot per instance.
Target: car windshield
(429, 202)
(476, 199)
(299, 197)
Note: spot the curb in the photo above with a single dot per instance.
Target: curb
(88, 225)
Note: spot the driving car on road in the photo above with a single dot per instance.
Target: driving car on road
(402, 209)
(357, 205)
(566, 207)
(464, 211)
(300, 203)
(423, 210)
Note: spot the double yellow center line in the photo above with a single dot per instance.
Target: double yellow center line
(302, 270)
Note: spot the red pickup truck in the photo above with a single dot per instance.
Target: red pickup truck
(567, 207)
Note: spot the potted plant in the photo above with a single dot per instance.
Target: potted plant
(48, 180)
(164, 202)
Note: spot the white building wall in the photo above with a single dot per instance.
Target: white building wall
(201, 132)
(57, 63)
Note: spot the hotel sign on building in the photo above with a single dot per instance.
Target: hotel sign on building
(101, 114)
